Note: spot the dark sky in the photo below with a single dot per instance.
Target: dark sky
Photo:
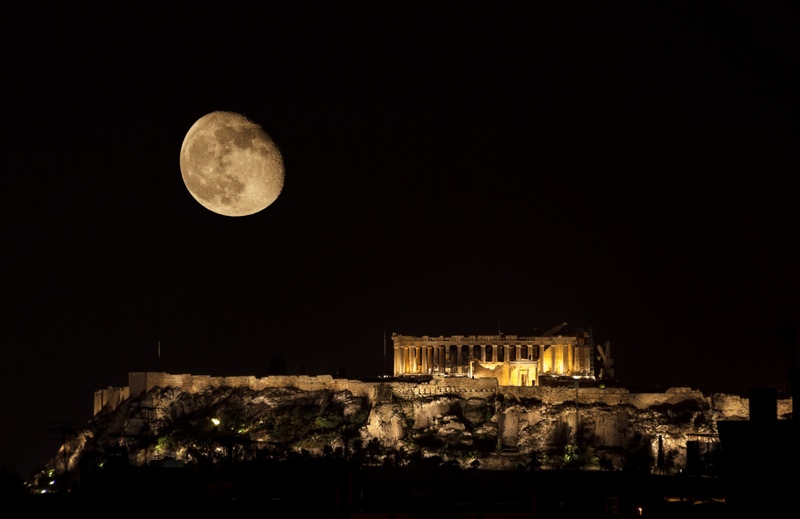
(451, 168)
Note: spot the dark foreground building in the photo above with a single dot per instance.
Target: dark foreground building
(760, 458)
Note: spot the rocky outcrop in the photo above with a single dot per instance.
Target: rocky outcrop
(386, 423)
(450, 420)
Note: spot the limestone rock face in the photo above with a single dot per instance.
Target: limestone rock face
(730, 407)
(387, 423)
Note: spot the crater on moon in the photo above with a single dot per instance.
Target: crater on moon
(230, 165)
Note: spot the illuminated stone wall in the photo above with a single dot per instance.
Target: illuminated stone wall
(731, 406)
(142, 382)
(110, 398)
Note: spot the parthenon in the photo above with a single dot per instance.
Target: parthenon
(513, 360)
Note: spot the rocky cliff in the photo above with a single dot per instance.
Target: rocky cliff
(398, 423)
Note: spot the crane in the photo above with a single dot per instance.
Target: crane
(554, 329)
(607, 371)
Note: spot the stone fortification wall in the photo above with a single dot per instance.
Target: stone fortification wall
(724, 406)
(309, 383)
(464, 387)
(142, 382)
(734, 407)
(109, 398)
(608, 396)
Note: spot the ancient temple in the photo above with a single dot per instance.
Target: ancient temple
(513, 360)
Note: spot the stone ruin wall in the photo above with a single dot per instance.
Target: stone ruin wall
(723, 406)
(142, 382)
(110, 398)
(464, 387)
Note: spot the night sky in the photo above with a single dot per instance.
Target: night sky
(451, 168)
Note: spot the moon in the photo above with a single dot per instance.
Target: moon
(230, 165)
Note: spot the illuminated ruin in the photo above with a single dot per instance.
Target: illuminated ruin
(512, 360)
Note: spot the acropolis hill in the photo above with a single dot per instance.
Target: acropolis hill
(490, 402)
(470, 419)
